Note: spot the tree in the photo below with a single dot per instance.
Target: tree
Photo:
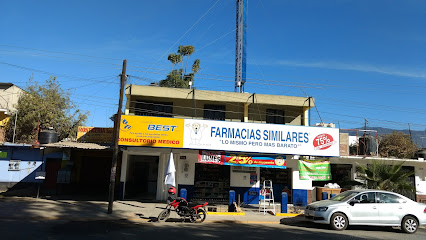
(179, 77)
(397, 144)
(44, 106)
(186, 51)
(196, 66)
(384, 176)
(175, 59)
(174, 80)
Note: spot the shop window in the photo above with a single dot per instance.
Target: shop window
(214, 112)
(275, 116)
(158, 109)
(276, 175)
(211, 182)
(281, 181)
(14, 165)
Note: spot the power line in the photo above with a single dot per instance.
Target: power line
(268, 80)
(51, 73)
(256, 81)
(115, 59)
(168, 50)
(86, 79)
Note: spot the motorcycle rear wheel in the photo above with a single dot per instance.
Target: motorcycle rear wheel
(164, 215)
(198, 217)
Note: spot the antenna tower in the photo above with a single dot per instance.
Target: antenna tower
(241, 46)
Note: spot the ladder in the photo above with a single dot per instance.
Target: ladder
(266, 202)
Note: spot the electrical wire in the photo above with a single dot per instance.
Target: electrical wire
(168, 50)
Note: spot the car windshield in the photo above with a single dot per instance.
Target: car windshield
(344, 196)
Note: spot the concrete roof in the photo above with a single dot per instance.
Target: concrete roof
(380, 158)
(219, 96)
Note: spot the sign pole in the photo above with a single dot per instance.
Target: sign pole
(116, 133)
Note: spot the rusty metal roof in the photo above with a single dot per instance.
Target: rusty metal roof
(78, 145)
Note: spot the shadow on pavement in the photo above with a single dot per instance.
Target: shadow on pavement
(32, 208)
(128, 204)
(300, 221)
(224, 230)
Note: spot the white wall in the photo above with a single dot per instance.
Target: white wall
(242, 179)
(420, 179)
(25, 169)
(297, 184)
(10, 98)
(419, 168)
(185, 168)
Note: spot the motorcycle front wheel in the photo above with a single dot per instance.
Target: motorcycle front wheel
(198, 217)
(164, 215)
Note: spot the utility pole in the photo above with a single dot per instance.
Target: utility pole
(409, 129)
(252, 106)
(422, 142)
(309, 109)
(116, 133)
(364, 140)
(14, 126)
(193, 103)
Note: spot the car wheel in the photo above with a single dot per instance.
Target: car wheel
(409, 224)
(338, 222)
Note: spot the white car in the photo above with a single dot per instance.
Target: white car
(368, 207)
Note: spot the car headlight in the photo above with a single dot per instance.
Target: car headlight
(321, 209)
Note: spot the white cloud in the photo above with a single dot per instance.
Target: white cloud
(354, 67)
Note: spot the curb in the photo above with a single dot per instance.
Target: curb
(289, 214)
(227, 213)
(241, 222)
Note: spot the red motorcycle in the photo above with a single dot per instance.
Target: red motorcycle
(195, 213)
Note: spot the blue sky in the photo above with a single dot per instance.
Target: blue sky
(358, 59)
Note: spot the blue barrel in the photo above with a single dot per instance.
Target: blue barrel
(324, 195)
(284, 202)
(332, 195)
(231, 207)
(183, 193)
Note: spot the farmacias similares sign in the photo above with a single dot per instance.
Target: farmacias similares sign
(228, 136)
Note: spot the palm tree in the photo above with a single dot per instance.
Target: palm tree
(380, 175)
(178, 77)
(196, 66)
(186, 51)
(174, 59)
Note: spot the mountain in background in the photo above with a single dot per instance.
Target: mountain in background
(415, 135)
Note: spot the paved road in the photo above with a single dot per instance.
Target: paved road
(122, 229)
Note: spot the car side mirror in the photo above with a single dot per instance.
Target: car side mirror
(353, 201)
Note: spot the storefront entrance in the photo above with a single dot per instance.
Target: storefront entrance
(142, 174)
(211, 183)
(281, 181)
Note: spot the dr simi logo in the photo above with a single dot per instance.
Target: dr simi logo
(125, 126)
(323, 141)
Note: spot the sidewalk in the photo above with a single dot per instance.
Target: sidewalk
(44, 209)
